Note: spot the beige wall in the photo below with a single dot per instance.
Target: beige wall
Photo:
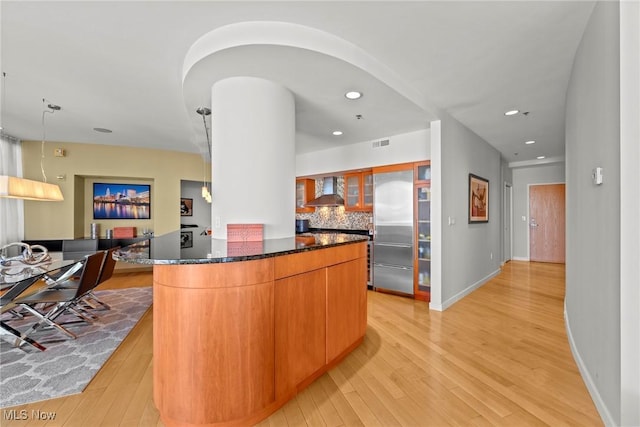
(84, 164)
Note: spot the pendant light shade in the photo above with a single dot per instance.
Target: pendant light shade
(21, 188)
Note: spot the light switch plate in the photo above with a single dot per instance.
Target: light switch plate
(597, 176)
(58, 152)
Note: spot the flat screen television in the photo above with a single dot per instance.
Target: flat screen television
(121, 201)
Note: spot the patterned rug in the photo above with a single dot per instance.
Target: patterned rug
(68, 365)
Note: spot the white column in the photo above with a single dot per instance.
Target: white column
(253, 156)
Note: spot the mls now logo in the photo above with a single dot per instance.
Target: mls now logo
(15, 415)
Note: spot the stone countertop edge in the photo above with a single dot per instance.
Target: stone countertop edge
(337, 239)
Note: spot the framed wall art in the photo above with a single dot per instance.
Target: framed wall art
(121, 201)
(186, 207)
(478, 199)
(186, 239)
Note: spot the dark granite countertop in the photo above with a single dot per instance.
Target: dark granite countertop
(191, 247)
(340, 230)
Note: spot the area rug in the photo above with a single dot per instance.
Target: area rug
(68, 365)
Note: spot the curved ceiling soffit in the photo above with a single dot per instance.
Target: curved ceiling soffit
(297, 36)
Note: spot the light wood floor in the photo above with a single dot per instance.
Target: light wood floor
(498, 357)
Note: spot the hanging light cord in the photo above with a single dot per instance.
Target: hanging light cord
(3, 130)
(206, 131)
(204, 174)
(203, 111)
(50, 108)
(4, 97)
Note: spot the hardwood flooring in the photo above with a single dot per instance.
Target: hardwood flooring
(498, 357)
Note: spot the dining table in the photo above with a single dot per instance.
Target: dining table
(16, 279)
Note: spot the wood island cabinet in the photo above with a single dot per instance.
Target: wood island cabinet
(303, 321)
(234, 341)
(358, 191)
(346, 304)
(319, 314)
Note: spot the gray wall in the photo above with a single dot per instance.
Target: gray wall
(522, 177)
(471, 253)
(593, 212)
(201, 209)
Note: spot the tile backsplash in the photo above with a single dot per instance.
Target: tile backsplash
(336, 216)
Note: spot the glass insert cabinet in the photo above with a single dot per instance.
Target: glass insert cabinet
(358, 194)
(422, 230)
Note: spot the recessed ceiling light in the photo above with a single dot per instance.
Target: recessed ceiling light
(530, 142)
(511, 112)
(353, 94)
(540, 157)
(337, 132)
(103, 130)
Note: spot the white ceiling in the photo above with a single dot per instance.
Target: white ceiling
(119, 65)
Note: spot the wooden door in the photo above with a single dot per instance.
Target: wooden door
(547, 223)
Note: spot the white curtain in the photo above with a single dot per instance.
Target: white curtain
(11, 210)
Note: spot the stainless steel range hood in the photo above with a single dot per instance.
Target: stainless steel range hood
(330, 195)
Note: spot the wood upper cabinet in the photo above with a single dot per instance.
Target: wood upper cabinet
(358, 191)
(422, 172)
(305, 192)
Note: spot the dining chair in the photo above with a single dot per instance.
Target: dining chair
(78, 248)
(105, 274)
(72, 249)
(62, 301)
(8, 305)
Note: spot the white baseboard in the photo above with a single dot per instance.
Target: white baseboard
(606, 416)
(457, 297)
(435, 307)
(520, 258)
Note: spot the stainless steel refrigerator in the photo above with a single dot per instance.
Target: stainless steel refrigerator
(393, 231)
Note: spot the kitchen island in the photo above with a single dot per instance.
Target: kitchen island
(240, 328)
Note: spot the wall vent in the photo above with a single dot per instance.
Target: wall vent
(382, 143)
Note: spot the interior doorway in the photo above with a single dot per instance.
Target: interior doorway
(508, 222)
(547, 223)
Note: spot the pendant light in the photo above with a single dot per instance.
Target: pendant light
(206, 194)
(14, 187)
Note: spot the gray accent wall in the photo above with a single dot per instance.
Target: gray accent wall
(201, 209)
(471, 253)
(593, 211)
(522, 178)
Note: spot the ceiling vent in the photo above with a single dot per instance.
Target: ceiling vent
(382, 143)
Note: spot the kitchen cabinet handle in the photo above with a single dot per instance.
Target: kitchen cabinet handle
(393, 245)
(397, 267)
